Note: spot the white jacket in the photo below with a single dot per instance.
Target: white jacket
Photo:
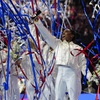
(63, 51)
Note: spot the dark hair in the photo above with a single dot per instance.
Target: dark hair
(69, 30)
(76, 38)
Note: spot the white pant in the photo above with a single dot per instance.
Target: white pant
(67, 80)
(13, 91)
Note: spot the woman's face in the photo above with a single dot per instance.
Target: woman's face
(67, 35)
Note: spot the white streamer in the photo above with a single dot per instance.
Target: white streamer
(96, 7)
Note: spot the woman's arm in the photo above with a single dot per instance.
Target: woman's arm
(50, 39)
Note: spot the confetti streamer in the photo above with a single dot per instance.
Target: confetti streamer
(6, 84)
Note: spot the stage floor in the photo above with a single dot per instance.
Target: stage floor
(81, 97)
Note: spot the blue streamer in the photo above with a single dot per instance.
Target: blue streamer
(84, 9)
(98, 36)
(2, 17)
(33, 66)
(43, 1)
(53, 26)
(95, 20)
(58, 16)
(6, 84)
